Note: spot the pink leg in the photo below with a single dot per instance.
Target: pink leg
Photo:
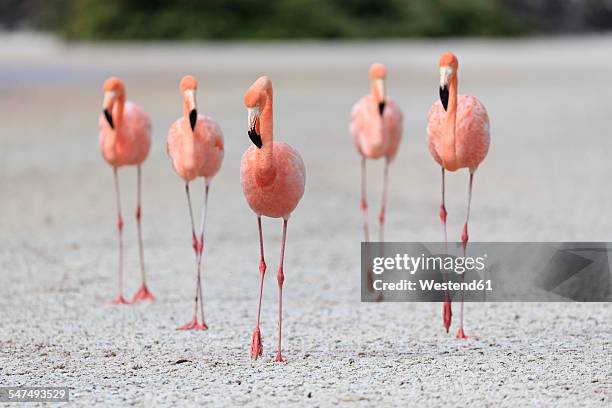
(383, 205)
(197, 248)
(447, 311)
(143, 293)
(364, 203)
(256, 346)
(119, 300)
(281, 280)
(201, 249)
(464, 241)
(364, 210)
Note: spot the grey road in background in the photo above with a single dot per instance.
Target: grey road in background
(546, 179)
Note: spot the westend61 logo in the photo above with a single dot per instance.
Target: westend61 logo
(431, 263)
(486, 271)
(410, 265)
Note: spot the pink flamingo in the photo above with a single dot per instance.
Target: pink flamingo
(458, 137)
(125, 139)
(195, 147)
(376, 128)
(272, 175)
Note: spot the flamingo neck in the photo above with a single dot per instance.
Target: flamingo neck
(188, 136)
(374, 91)
(118, 111)
(186, 110)
(186, 120)
(110, 141)
(449, 157)
(266, 171)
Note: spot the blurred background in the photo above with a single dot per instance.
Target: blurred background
(285, 19)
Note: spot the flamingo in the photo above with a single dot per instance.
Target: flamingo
(458, 137)
(273, 176)
(125, 139)
(195, 147)
(376, 128)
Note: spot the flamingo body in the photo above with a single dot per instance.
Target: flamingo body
(376, 127)
(458, 137)
(125, 139)
(375, 136)
(195, 148)
(279, 197)
(472, 136)
(273, 176)
(129, 143)
(198, 153)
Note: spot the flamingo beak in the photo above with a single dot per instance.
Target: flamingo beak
(381, 90)
(107, 107)
(444, 96)
(191, 104)
(253, 126)
(444, 74)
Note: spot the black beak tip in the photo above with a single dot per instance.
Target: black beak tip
(109, 118)
(255, 138)
(381, 107)
(444, 97)
(193, 118)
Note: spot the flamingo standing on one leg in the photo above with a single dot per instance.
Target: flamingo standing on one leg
(195, 147)
(458, 137)
(376, 128)
(272, 175)
(125, 139)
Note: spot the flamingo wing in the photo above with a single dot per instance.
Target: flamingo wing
(393, 127)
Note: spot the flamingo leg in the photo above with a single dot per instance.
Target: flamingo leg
(364, 203)
(120, 299)
(201, 249)
(143, 293)
(364, 209)
(256, 346)
(281, 279)
(383, 203)
(193, 324)
(464, 242)
(447, 311)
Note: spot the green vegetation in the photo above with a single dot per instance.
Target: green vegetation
(283, 19)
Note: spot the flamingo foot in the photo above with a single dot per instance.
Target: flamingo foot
(143, 294)
(119, 300)
(256, 346)
(460, 334)
(279, 358)
(447, 313)
(193, 325)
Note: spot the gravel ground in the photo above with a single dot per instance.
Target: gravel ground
(544, 180)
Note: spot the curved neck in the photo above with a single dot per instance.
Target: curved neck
(118, 111)
(265, 169)
(449, 158)
(373, 91)
(376, 91)
(110, 141)
(186, 110)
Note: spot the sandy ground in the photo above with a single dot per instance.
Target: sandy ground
(546, 179)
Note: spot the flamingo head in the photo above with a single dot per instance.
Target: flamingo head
(188, 88)
(255, 100)
(448, 70)
(378, 75)
(113, 90)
